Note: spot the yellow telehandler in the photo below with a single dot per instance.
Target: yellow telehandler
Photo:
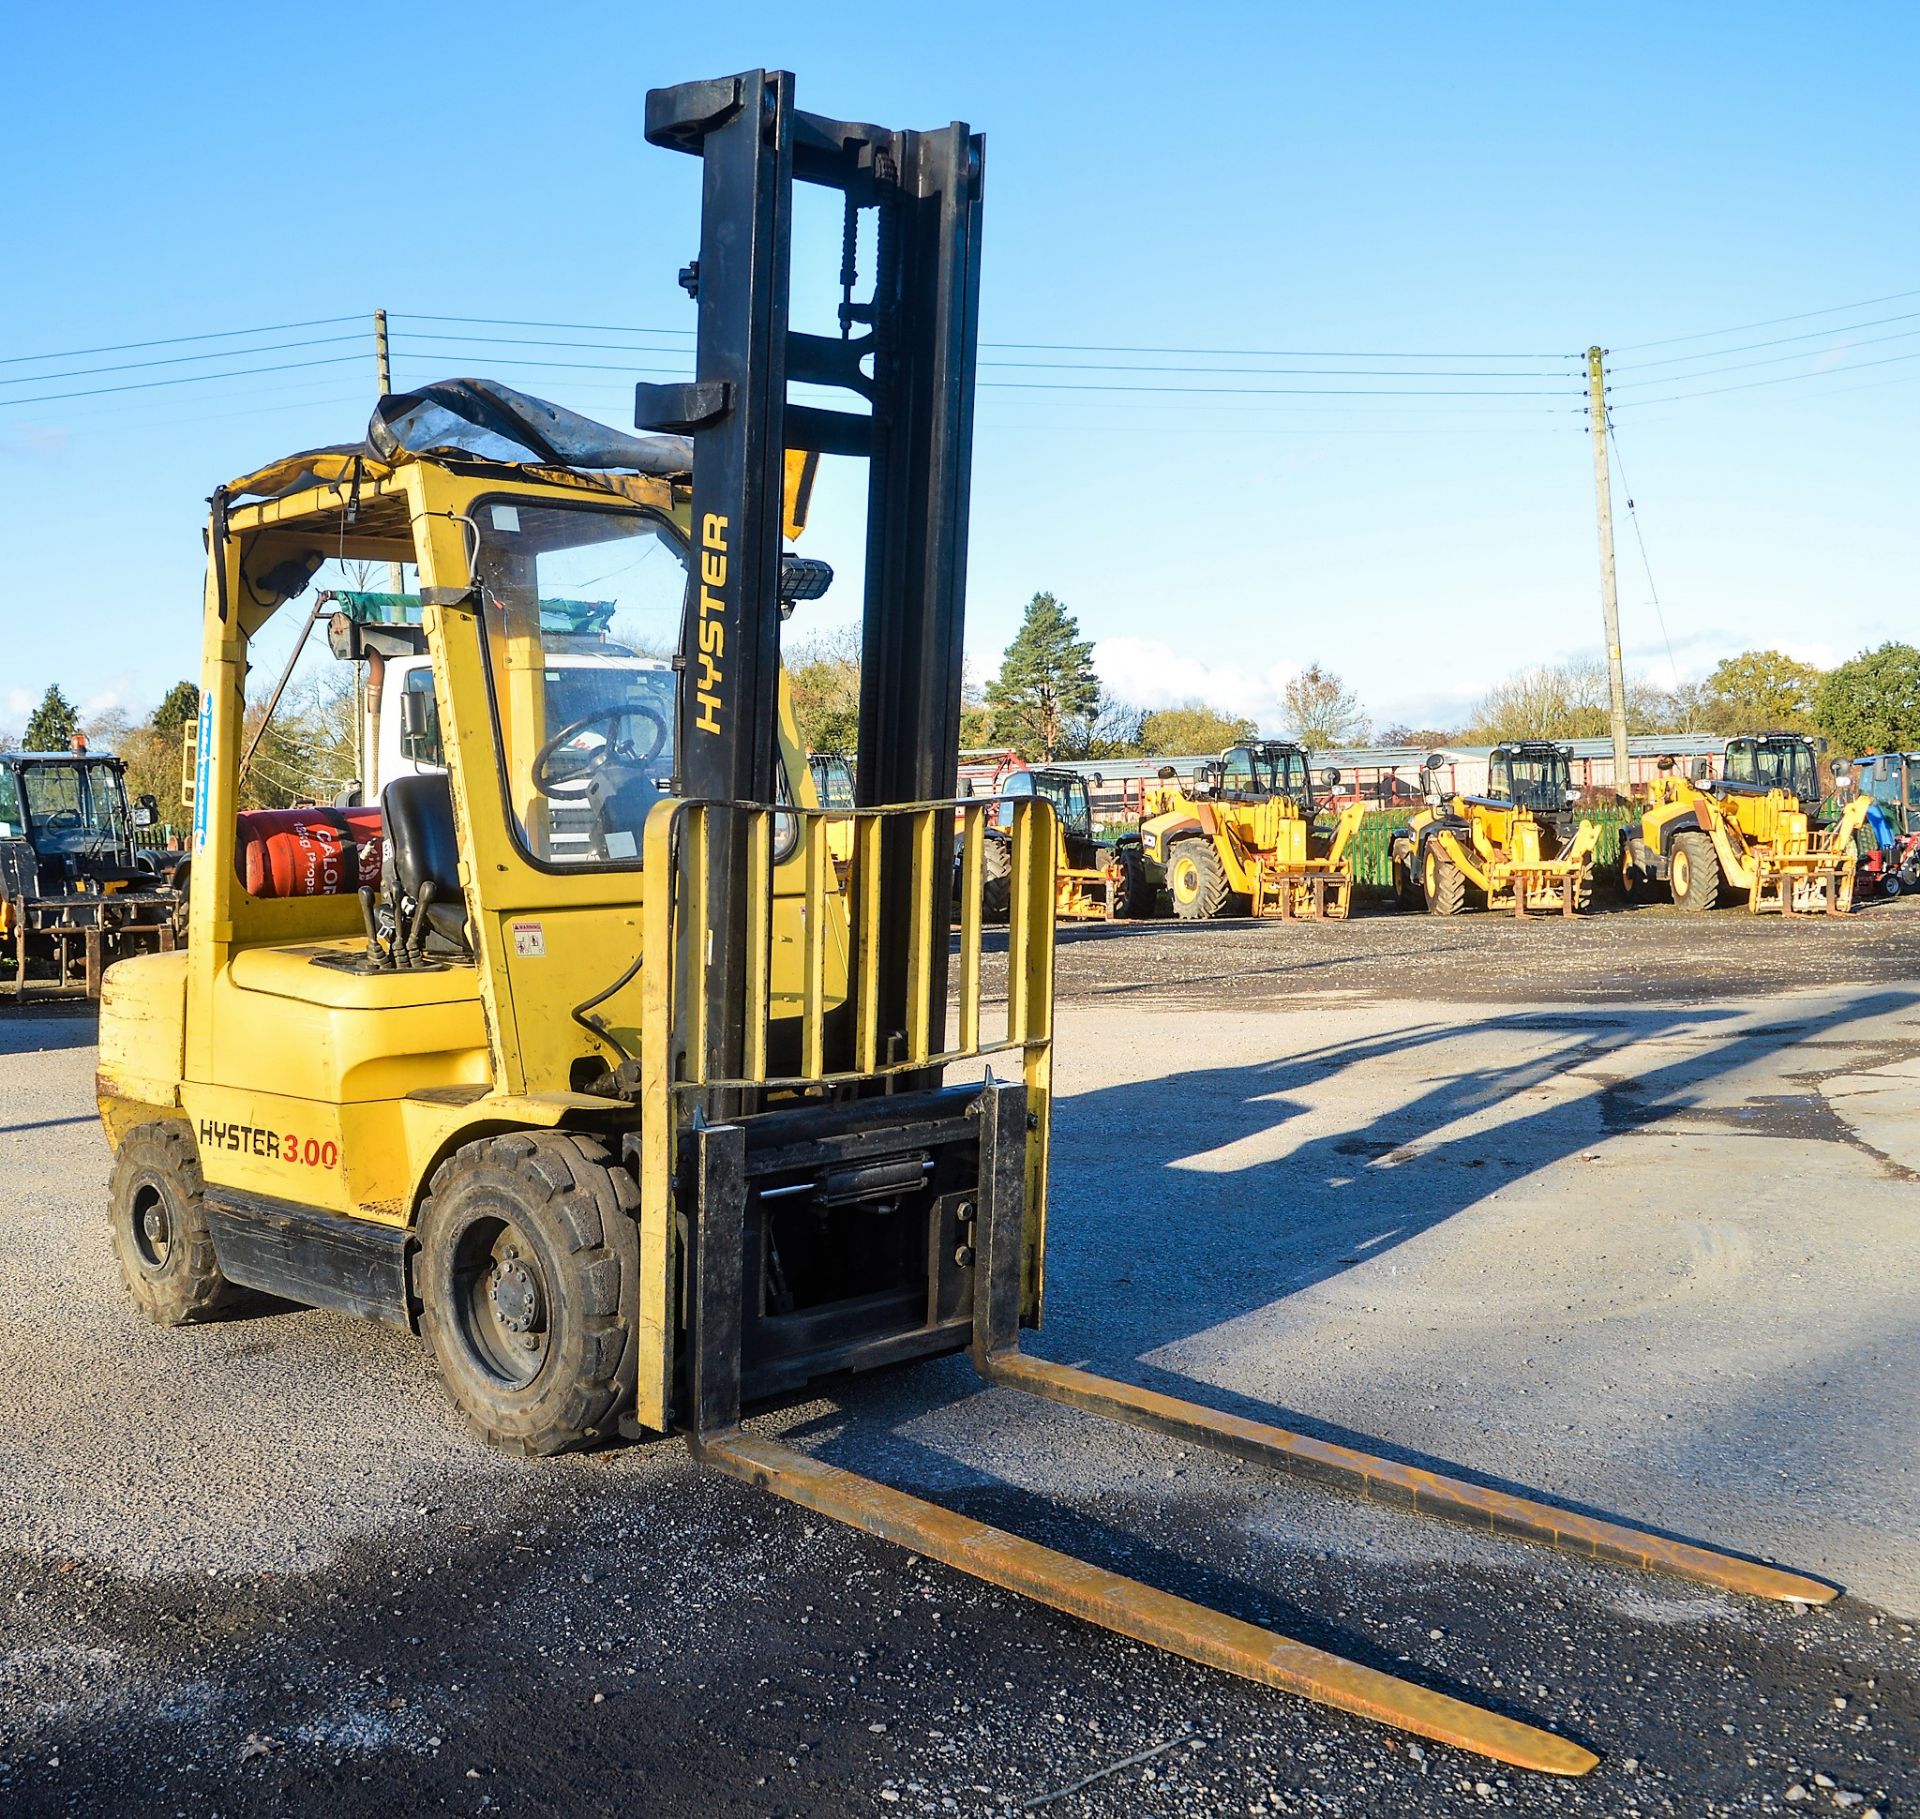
(1240, 838)
(1746, 835)
(1095, 879)
(584, 1065)
(1519, 846)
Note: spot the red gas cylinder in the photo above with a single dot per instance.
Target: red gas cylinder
(308, 852)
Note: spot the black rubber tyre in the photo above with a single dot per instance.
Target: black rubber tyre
(1693, 870)
(1442, 883)
(996, 878)
(528, 1271)
(1583, 893)
(1406, 888)
(1197, 882)
(158, 1219)
(1892, 884)
(1129, 896)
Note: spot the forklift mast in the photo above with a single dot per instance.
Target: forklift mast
(911, 362)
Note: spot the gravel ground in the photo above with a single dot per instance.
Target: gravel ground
(1616, 952)
(258, 1568)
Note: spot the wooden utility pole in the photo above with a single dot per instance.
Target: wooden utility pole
(1609, 593)
(395, 581)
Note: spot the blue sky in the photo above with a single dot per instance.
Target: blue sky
(1390, 181)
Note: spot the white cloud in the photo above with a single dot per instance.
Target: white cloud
(21, 702)
(1146, 672)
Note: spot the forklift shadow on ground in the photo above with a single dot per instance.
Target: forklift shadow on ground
(1119, 1323)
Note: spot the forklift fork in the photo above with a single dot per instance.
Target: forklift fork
(1145, 1614)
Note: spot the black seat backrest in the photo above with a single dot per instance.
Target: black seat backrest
(422, 847)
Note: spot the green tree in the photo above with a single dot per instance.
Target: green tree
(1762, 691)
(53, 723)
(1872, 703)
(824, 674)
(178, 705)
(1046, 681)
(1192, 730)
(1321, 710)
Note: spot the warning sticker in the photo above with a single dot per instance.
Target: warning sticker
(530, 940)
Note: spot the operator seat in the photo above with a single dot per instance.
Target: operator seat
(422, 850)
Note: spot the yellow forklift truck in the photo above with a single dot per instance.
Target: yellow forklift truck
(1520, 846)
(1746, 835)
(643, 1125)
(1241, 838)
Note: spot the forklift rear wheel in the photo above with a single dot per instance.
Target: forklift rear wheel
(1197, 882)
(1445, 884)
(1892, 885)
(528, 1271)
(159, 1225)
(1693, 869)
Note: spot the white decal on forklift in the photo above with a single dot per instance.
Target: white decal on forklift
(530, 940)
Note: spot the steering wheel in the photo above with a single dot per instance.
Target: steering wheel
(63, 819)
(580, 780)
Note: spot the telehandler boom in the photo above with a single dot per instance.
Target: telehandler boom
(641, 1125)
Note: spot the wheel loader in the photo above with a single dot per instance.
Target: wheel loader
(1518, 847)
(640, 1129)
(1746, 835)
(1240, 838)
(1095, 880)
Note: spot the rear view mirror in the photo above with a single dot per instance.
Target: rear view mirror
(146, 811)
(1702, 770)
(1841, 767)
(1328, 778)
(416, 722)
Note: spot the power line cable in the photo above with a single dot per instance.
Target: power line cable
(1747, 385)
(229, 334)
(591, 366)
(1084, 347)
(1813, 334)
(225, 353)
(1740, 328)
(1748, 366)
(1062, 365)
(149, 385)
(1633, 517)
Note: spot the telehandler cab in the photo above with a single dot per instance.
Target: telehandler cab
(1240, 839)
(640, 1128)
(1747, 834)
(1520, 846)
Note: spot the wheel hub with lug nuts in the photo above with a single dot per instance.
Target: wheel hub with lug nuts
(514, 1291)
(154, 1224)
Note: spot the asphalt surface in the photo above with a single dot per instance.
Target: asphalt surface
(1646, 1248)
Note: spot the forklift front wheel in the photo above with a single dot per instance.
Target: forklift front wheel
(528, 1270)
(159, 1226)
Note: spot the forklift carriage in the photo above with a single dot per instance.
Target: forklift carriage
(645, 1115)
